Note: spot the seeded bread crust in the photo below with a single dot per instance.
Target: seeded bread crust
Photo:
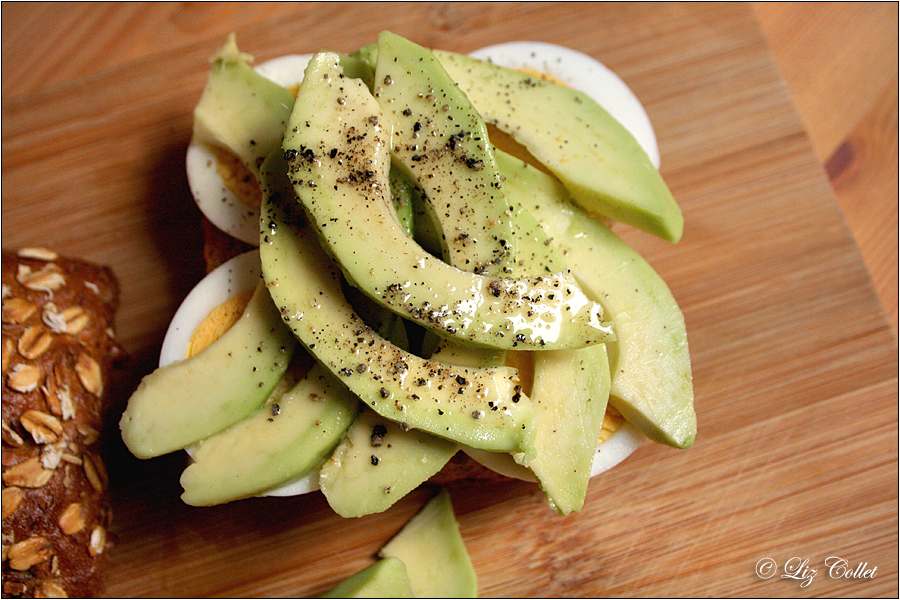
(58, 352)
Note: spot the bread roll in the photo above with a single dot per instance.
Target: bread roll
(58, 351)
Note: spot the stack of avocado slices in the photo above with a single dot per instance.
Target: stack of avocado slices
(415, 262)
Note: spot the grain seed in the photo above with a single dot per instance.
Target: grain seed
(12, 497)
(44, 428)
(70, 320)
(89, 374)
(27, 553)
(47, 279)
(29, 473)
(9, 347)
(74, 518)
(51, 589)
(95, 471)
(24, 377)
(38, 253)
(34, 341)
(98, 541)
(17, 310)
(10, 437)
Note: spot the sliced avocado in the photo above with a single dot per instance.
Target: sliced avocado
(379, 462)
(438, 140)
(292, 434)
(570, 391)
(442, 143)
(402, 197)
(386, 578)
(339, 160)
(600, 163)
(355, 66)
(187, 401)
(241, 110)
(367, 54)
(433, 550)
(650, 362)
(572, 385)
(475, 407)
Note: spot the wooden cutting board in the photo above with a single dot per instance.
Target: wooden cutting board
(795, 365)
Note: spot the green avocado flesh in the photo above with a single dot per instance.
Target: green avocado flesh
(570, 392)
(241, 110)
(287, 438)
(600, 163)
(440, 140)
(379, 462)
(649, 361)
(403, 199)
(185, 402)
(481, 408)
(386, 578)
(388, 216)
(570, 389)
(432, 548)
(339, 159)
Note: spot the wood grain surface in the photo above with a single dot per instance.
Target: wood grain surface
(839, 60)
(794, 356)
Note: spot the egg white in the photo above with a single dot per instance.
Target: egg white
(241, 274)
(215, 200)
(231, 279)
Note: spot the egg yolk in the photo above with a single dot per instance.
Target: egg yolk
(237, 177)
(217, 322)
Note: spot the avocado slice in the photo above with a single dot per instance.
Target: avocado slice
(569, 388)
(338, 159)
(441, 142)
(476, 407)
(570, 391)
(292, 434)
(573, 385)
(187, 401)
(650, 361)
(240, 110)
(386, 578)
(435, 555)
(402, 197)
(600, 163)
(379, 462)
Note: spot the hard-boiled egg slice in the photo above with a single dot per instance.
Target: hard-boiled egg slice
(219, 184)
(286, 71)
(219, 298)
(222, 285)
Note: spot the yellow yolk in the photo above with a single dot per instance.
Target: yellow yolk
(217, 322)
(237, 177)
(612, 422)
